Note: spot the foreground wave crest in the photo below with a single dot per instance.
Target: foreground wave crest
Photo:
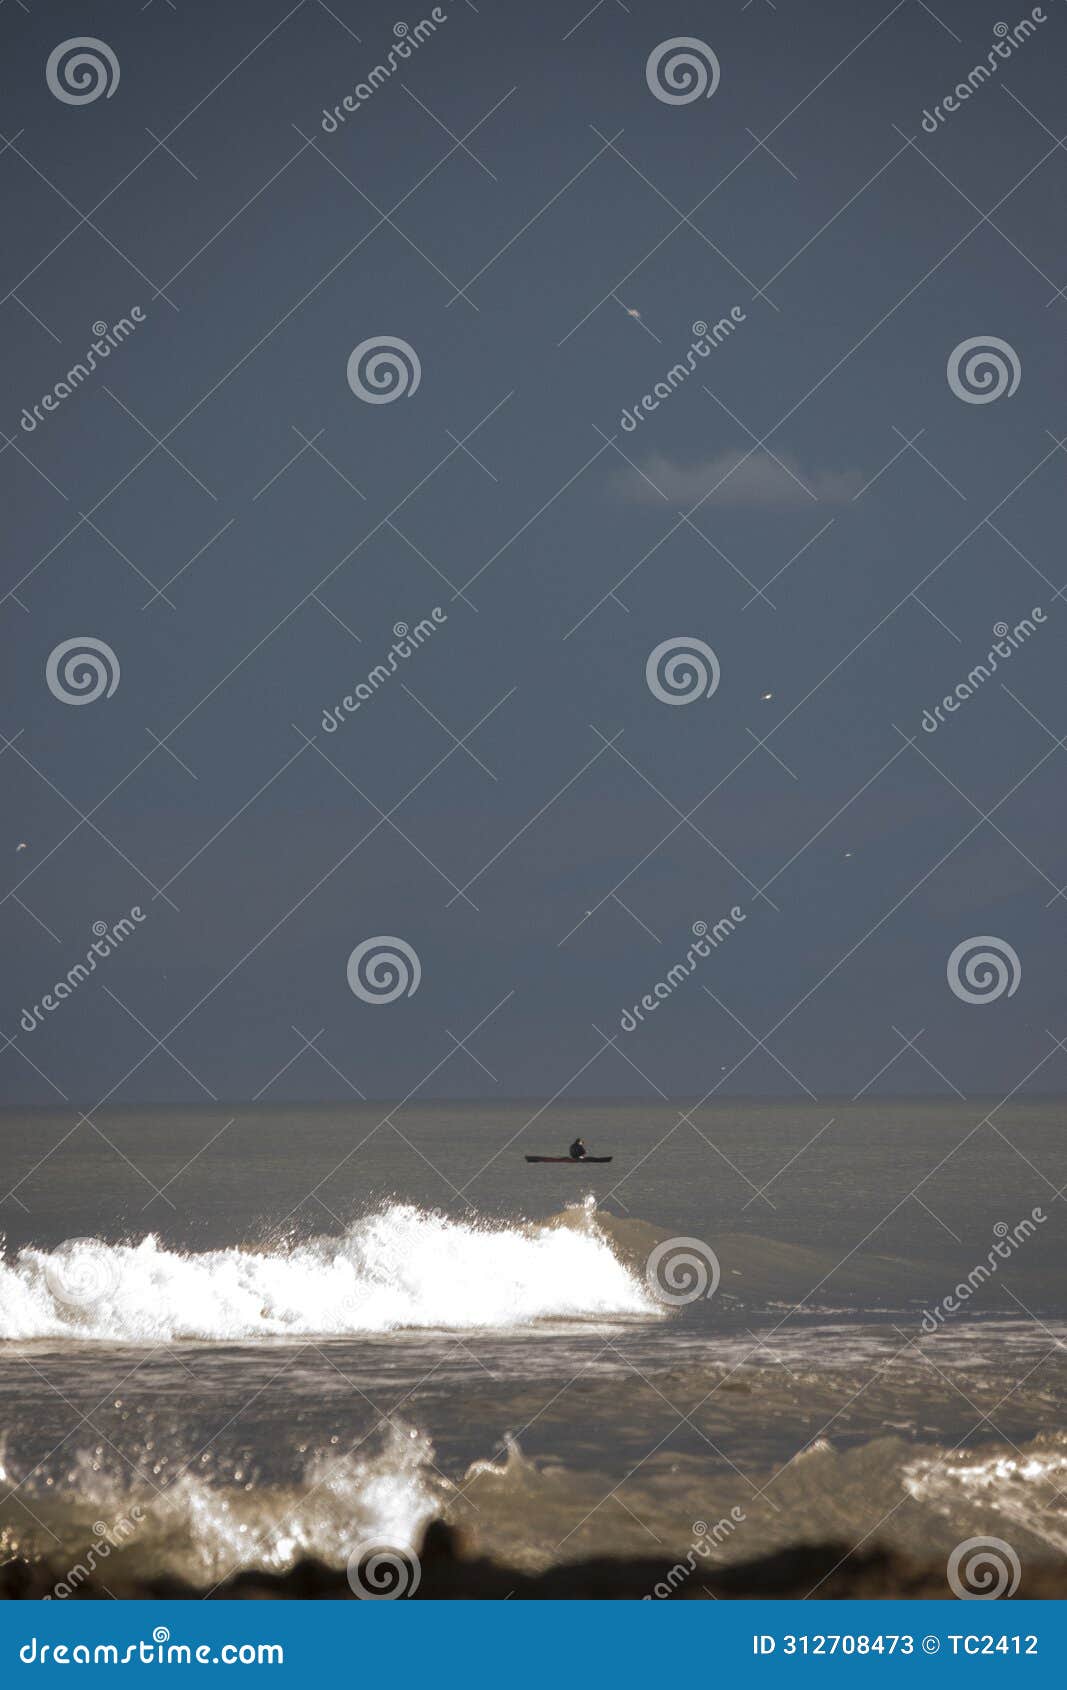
(95, 1514)
(400, 1267)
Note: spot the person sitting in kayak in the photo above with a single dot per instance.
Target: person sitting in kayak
(578, 1152)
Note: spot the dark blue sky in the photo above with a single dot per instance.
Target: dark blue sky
(520, 155)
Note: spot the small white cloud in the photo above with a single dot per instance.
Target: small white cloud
(738, 477)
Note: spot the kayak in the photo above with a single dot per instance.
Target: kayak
(568, 1158)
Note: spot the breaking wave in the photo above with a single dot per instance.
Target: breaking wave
(402, 1267)
(94, 1514)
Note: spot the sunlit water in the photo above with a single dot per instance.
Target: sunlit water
(257, 1373)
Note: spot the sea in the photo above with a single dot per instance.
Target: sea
(232, 1338)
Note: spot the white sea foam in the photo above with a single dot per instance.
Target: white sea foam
(1019, 1491)
(400, 1267)
(205, 1527)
